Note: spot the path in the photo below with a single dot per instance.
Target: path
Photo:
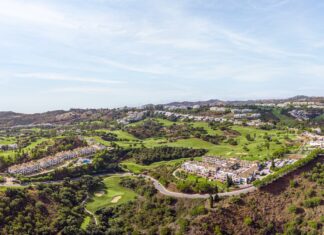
(89, 212)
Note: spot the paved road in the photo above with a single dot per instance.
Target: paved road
(167, 192)
(158, 186)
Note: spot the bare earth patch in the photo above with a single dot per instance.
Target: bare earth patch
(116, 199)
(99, 194)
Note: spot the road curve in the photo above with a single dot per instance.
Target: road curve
(158, 186)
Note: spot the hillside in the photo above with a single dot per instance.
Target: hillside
(58, 117)
(282, 207)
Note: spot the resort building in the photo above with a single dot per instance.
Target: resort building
(241, 172)
(41, 164)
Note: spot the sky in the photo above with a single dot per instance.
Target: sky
(62, 54)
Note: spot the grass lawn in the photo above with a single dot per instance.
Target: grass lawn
(283, 118)
(124, 135)
(138, 168)
(127, 139)
(256, 149)
(4, 188)
(111, 191)
(164, 122)
(248, 150)
(101, 141)
(9, 156)
(209, 130)
(33, 144)
(85, 222)
(7, 140)
(194, 178)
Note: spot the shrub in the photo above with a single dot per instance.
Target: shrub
(292, 209)
(313, 224)
(165, 231)
(248, 221)
(293, 183)
(312, 202)
(217, 230)
(183, 224)
(235, 200)
(198, 210)
(232, 141)
(2, 179)
(310, 193)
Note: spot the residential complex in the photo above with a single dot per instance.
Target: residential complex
(233, 118)
(132, 116)
(314, 140)
(241, 172)
(41, 164)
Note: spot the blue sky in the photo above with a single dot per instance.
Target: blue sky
(59, 54)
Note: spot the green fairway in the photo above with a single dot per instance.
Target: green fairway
(124, 135)
(164, 122)
(85, 222)
(7, 140)
(207, 128)
(9, 156)
(112, 194)
(249, 150)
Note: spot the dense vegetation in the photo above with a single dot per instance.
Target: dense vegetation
(150, 214)
(152, 128)
(45, 209)
(150, 155)
(60, 144)
(41, 148)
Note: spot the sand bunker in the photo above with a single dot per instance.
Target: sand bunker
(99, 194)
(116, 199)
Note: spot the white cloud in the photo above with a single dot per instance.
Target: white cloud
(31, 12)
(89, 90)
(150, 69)
(63, 77)
(313, 70)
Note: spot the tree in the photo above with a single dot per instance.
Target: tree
(229, 181)
(211, 201)
(216, 197)
(267, 145)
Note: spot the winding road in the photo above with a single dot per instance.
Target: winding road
(169, 193)
(158, 186)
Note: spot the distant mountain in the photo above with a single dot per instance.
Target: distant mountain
(61, 117)
(191, 103)
(246, 102)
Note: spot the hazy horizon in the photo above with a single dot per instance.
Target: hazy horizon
(161, 103)
(59, 54)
